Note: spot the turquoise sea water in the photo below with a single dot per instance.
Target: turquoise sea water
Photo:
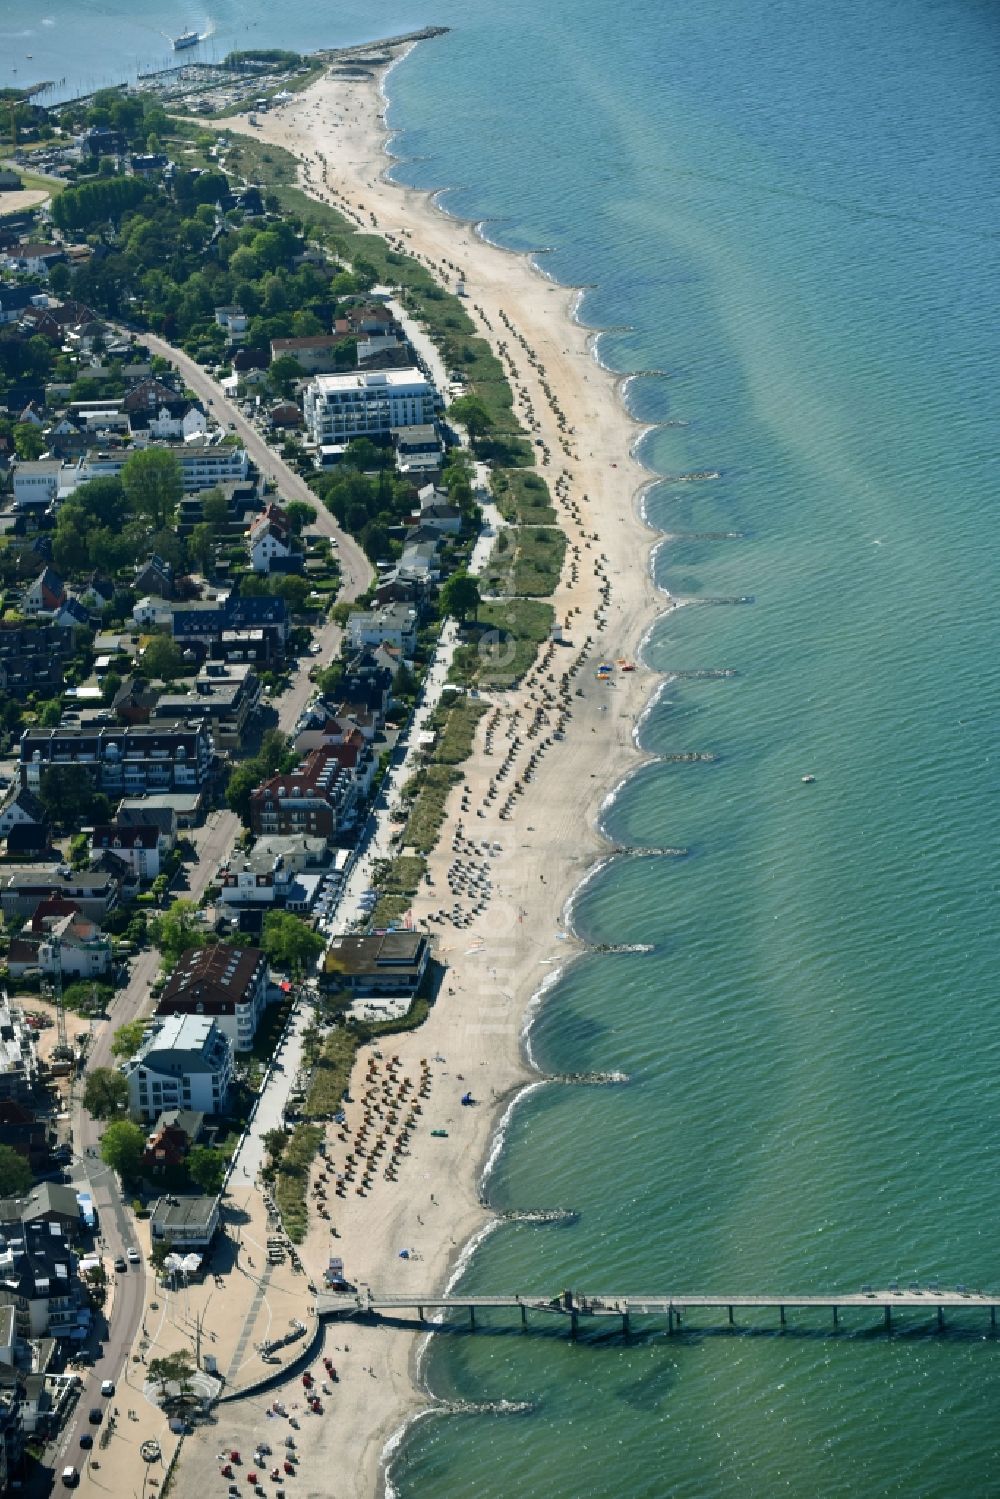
(794, 210)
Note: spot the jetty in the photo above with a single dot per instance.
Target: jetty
(596, 1312)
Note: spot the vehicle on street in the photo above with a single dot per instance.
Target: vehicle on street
(120, 1262)
(86, 1440)
(70, 1477)
(107, 1387)
(134, 1257)
(96, 1415)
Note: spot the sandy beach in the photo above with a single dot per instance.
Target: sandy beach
(561, 742)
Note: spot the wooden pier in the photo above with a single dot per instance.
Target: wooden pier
(594, 1311)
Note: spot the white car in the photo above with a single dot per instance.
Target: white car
(133, 1256)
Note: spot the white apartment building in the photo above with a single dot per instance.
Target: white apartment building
(367, 404)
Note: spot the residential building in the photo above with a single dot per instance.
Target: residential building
(228, 984)
(183, 1062)
(30, 259)
(317, 798)
(139, 845)
(225, 696)
(184, 807)
(18, 1054)
(270, 542)
(392, 624)
(154, 577)
(38, 1279)
(235, 322)
(204, 463)
(45, 595)
(171, 1138)
(419, 450)
(123, 759)
(185, 1222)
(315, 355)
(93, 891)
(14, 301)
(276, 872)
(141, 811)
(367, 404)
(392, 963)
(205, 625)
(21, 808)
(70, 940)
(32, 658)
(37, 483)
(22, 1130)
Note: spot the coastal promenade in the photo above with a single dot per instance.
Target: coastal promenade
(576, 1306)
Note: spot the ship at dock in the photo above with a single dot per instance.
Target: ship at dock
(186, 39)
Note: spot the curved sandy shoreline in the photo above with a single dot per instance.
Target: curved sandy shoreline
(477, 1027)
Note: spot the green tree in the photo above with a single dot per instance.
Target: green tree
(300, 514)
(243, 780)
(283, 373)
(207, 1168)
(15, 1173)
(289, 942)
(122, 1146)
(177, 930)
(69, 796)
(172, 1368)
(110, 688)
(105, 1093)
(49, 713)
(460, 596)
(127, 1038)
(470, 412)
(153, 485)
(29, 442)
(215, 509)
(201, 544)
(162, 658)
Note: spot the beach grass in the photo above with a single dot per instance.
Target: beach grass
(331, 1074)
(526, 560)
(501, 644)
(430, 789)
(292, 1178)
(456, 729)
(522, 497)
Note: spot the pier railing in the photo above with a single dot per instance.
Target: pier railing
(577, 1308)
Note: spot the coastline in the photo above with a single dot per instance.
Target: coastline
(476, 1023)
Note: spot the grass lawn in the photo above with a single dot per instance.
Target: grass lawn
(456, 726)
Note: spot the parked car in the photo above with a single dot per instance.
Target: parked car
(134, 1257)
(86, 1440)
(120, 1262)
(96, 1415)
(107, 1387)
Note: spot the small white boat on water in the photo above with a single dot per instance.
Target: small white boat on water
(808, 780)
(186, 39)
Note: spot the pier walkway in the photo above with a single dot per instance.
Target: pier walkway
(576, 1307)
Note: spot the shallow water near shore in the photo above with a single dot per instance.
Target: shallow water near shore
(791, 212)
(791, 230)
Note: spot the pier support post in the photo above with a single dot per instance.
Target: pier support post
(670, 1319)
(731, 1317)
(420, 1314)
(626, 1324)
(835, 1318)
(940, 1318)
(524, 1315)
(573, 1320)
(888, 1318)
(993, 1318)
(781, 1315)
(472, 1319)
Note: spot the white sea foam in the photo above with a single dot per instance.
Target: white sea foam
(499, 1136)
